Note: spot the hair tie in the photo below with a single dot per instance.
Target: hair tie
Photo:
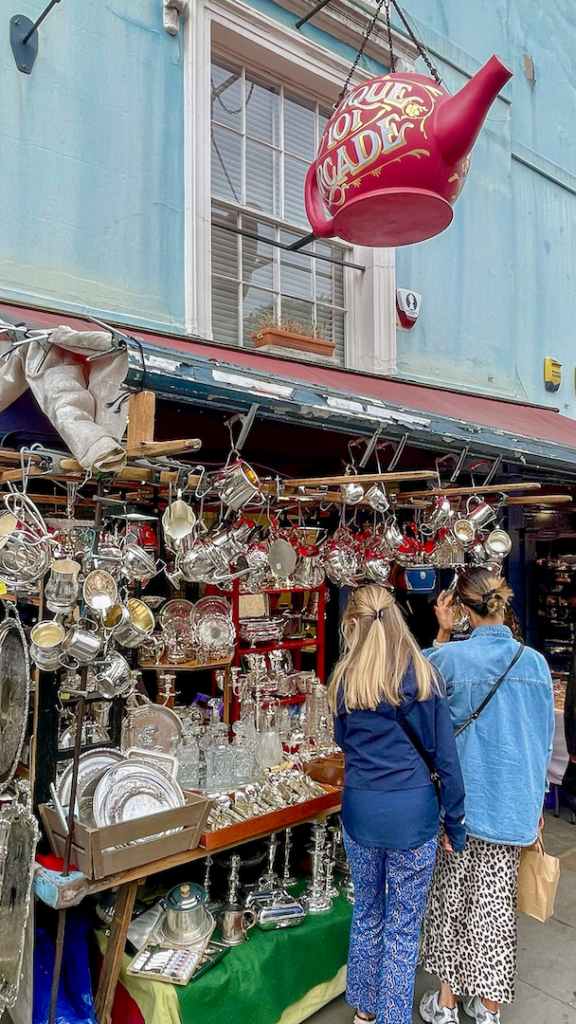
(378, 614)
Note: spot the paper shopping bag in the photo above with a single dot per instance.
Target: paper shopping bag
(538, 879)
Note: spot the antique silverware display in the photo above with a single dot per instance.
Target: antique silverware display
(19, 835)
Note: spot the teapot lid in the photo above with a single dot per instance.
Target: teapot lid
(187, 896)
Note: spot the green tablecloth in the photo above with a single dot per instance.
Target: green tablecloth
(257, 981)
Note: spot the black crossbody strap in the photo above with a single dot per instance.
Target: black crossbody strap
(421, 750)
(489, 696)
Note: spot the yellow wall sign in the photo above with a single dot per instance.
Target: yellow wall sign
(552, 374)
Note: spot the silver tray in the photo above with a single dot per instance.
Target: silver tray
(14, 696)
(135, 790)
(91, 767)
(152, 727)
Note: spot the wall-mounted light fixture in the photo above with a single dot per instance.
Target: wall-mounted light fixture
(24, 38)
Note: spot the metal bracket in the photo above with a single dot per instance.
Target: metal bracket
(171, 11)
(24, 38)
(246, 419)
(317, 7)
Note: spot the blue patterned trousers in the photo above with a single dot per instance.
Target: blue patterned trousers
(386, 927)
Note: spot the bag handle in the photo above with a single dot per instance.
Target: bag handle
(489, 696)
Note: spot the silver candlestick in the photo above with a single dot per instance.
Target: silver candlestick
(234, 879)
(270, 879)
(316, 900)
(287, 878)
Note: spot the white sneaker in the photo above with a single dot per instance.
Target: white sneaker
(433, 1013)
(475, 1008)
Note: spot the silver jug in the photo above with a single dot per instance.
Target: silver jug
(138, 565)
(352, 493)
(235, 924)
(62, 589)
(481, 514)
(179, 526)
(100, 591)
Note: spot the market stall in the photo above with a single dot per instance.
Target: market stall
(178, 622)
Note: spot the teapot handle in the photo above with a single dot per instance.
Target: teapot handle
(315, 212)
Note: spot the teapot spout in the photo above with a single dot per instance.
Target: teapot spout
(461, 117)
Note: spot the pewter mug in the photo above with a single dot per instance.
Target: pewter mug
(140, 622)
(82, 644)
(498, 545)
(235, 924)
(352, 493)
(46, 643)
(377, 498)
(112, 676)
(236, 484)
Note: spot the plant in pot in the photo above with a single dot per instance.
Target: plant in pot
(290, 333)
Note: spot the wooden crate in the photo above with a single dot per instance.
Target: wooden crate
(99, 852)
(264, 824)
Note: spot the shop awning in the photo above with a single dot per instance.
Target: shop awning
(338, 399)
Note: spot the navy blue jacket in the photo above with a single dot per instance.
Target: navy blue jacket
(380, 759)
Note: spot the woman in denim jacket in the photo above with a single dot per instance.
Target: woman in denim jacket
(470, 934)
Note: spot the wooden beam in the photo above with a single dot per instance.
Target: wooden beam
(455, 492)
(15, 475)
(9, 455)
(152, 448)
(541, 499)
(363, 478)
(141, 417)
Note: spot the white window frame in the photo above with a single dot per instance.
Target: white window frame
(252, 38)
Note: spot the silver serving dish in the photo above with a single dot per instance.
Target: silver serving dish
(262, 630)
(135, 789)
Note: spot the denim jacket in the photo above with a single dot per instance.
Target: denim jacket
(505, 753)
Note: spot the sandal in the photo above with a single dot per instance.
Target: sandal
(363, 1020)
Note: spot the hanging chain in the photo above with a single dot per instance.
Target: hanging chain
(389, 28)
(242, 105)
(431, 68)
(360, 53)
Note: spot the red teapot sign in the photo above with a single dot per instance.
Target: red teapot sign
(393, 159)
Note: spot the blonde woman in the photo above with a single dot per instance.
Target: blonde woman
(393, 724)
(502, 708)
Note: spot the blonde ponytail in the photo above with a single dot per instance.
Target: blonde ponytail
(378, 648)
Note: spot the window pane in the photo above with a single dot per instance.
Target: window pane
(329, 277)
(225, 249)
(299, 127)
(226, 164)
(259, 309)
(262, 184)
(294, 175)
(297, 313)
(257, 257)
(227, 94)
(225, 311)
(262, 111)
(296, 275)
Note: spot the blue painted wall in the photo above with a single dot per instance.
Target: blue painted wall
(91, 163)
(92, 186)
(499, 285)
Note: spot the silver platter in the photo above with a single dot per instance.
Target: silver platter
(91, 767)
(135, 790)
(14, 696)
(153, 727)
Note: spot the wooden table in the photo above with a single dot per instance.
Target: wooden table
(128, 882)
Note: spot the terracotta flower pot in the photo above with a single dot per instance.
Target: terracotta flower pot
(286, 339)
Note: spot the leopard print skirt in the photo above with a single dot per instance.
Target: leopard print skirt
(469, 937)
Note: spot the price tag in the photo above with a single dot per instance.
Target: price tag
(3, 588)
